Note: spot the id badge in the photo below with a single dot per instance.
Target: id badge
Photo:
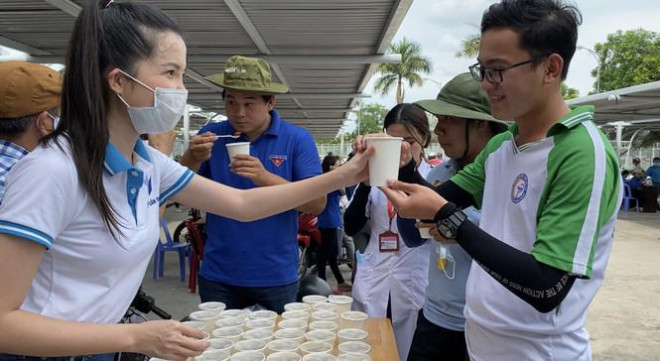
(388, 242)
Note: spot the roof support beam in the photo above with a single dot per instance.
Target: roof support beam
(22, 47)
(211, 97)
(67, 6)
(272, 59)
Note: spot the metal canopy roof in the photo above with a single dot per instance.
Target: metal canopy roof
(636, 106)
(325, 51)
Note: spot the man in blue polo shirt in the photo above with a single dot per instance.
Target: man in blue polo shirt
(254, 262)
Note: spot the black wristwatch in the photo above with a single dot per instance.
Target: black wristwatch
(448, 226)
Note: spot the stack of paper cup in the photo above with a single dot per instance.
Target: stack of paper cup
(284, 356)
(212, 306)
(384, 165)
(248, 356)
(354, 347)
(354, 319)
(343, 303)
(208, 317)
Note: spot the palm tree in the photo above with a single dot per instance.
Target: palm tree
(408, 70)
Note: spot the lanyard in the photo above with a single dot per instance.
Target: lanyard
(391, 213)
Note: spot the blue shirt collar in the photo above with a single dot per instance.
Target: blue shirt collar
(12, 150)
(116, 163)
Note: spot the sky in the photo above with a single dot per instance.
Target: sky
(439, 26)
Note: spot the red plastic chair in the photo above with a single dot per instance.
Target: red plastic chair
(197, 254)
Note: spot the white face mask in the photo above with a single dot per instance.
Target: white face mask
(169, 105)
(445, 261)
(56, 120)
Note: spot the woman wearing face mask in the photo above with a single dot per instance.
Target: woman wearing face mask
(79, 220)
(391, 283)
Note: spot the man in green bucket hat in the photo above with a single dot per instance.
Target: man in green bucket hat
(464, 128)
(248, 263)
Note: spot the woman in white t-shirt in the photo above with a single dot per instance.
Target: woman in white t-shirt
(79, 219)
(391, 278)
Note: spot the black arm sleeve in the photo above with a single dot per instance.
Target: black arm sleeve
(354, 216)
(448, 190)
(542, 286)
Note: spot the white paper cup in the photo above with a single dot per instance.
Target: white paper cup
(213, 355)
(312, 299)
(221, 344)
(354, 357)
(261, 334)
(212, 306)
(261, 314)
(384, 165)
(232, 333)
(315, 347)
(282, 345)
(343, 303)
(354, 347)
(248, 356)
(324, 325)
(260, 323)
(296, 323)
(229, 322)
(235, 149)
(250, 345)
(294, 334)
(321, 335)
(319, 357)
(208, 317)
(197, 325)
(297, 306)
(284, 356)
(424, 232)
(354, 319)
(325, 316)
(233, 313)
(324, 307)
(352, 334)
(288, 315)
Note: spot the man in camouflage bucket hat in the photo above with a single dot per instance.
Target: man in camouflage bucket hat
(464, 128)
(254, 262)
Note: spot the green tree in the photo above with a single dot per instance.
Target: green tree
(628, 58)
(409, 70)
(469, 47)
(568, 92)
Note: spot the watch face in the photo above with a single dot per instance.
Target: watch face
(445, 231)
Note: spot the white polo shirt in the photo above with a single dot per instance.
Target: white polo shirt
(85, 274)
(556, 199)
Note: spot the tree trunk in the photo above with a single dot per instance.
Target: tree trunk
(399, 92)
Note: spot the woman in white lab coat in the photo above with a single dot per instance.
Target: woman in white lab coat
(391, 278)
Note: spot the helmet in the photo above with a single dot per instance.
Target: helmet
(313, 285)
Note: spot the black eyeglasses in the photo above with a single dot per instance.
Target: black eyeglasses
(496, 75)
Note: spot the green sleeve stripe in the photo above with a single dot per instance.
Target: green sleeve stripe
(579, 197)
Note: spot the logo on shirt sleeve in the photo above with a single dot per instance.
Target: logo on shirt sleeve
(519, 188)
(277, 159)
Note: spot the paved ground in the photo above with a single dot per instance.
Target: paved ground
(624, 319)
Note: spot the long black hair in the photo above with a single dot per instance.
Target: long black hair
(106, 35)
(412, 117)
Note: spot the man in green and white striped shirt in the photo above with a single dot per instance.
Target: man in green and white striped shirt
(549, 192)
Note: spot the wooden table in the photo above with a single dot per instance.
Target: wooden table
(381, 339)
